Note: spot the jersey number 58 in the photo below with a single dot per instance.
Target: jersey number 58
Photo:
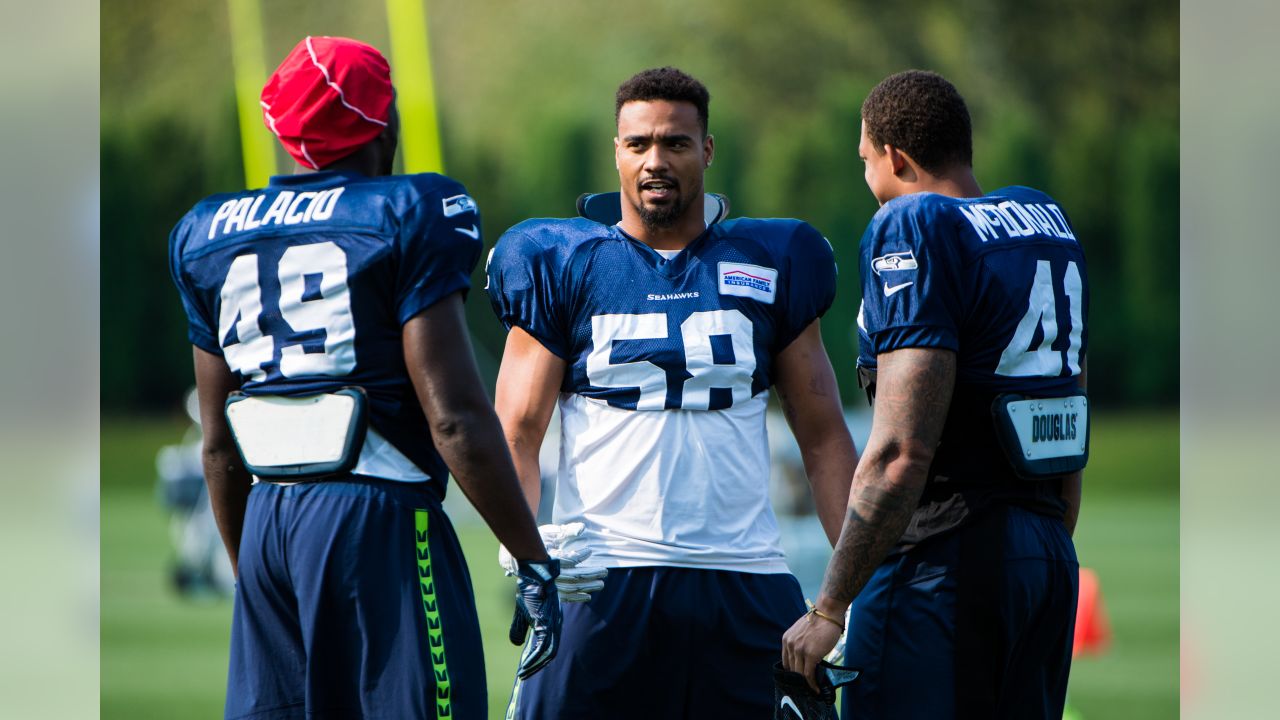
(696, 334)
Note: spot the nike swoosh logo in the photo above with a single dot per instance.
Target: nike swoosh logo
(473, 233)
(891, 290)
(786, 700)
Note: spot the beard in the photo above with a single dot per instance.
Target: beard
(661, 217)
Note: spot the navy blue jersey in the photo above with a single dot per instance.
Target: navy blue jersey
(303, 286)
(1000, 280)
(697, 332)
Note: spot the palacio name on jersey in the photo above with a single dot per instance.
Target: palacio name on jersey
(287, 208)
(1015, 219)
(1051, 427)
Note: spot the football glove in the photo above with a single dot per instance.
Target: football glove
(537, 610)
(565, 543)
(793, 699)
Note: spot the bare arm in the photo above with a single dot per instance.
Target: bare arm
(1073, 483)
(528, 383)
(913, 394)
(440, 361)
(810, 401)
(224, 472)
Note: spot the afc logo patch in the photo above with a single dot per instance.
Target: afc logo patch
(749, 281)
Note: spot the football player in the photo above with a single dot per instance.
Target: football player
(956, 551)
(659, 337)
(326, 315)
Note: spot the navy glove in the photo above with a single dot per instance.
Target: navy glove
(793, 699)
(537, 607)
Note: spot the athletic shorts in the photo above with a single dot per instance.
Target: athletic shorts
(353, 601)
(975, 623)
(670, 643)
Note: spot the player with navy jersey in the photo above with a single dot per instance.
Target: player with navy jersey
(333, 365)
(956, 553)
(659, 336)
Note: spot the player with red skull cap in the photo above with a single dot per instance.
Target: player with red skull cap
(335, 373)
(333, 93)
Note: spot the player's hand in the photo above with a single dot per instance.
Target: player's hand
(537, 610)
(836, 656)
(564, 543)
(805, 644)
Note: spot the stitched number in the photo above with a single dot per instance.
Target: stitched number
(1018, 359)
(643, 374)
(313, 296)
(329, 309)
(718, 354)
(717, 335)
(241, 306)
(1075, 294)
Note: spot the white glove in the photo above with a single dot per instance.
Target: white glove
(564, 543)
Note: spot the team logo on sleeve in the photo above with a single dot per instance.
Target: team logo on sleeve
(458, 204)
(894, 261)
(749, 281)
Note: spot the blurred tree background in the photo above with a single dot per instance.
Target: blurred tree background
(1078, 99)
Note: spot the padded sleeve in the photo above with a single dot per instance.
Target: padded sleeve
(201, 327)
(811, 286)
(910, 281)
(438, 250)
(524, 290)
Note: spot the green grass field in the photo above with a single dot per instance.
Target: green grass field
(163, 657)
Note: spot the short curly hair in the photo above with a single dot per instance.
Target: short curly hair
(664, 83)
(922, 114)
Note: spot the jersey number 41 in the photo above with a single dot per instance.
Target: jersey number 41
(1019, 359)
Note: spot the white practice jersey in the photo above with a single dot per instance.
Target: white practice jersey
(664, 451)
(683, 488)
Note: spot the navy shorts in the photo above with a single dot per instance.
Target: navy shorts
(671, 643)
(353, 601)
(975, 623)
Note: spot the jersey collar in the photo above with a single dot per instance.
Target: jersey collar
(323, 177)
(661, 265)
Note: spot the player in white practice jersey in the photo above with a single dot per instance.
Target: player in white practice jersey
(660, 336)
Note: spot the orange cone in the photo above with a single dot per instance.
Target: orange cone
(1093, 630)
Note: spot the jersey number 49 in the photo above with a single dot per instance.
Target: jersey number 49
(313, 296)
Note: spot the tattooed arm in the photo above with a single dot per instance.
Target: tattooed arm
(913, 394)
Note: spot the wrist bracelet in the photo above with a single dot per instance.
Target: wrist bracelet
(813, 610)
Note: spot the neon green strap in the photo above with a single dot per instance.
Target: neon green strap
(435, 633)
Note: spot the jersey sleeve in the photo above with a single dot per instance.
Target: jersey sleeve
(201, 326)
(811, 286)
(910, 282)
(439, 245)
(523, 289)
